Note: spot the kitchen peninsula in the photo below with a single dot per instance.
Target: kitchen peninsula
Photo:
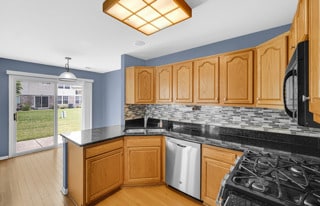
(101, 160)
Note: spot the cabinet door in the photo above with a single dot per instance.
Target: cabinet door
(164, 84)
(139, 85)
(143, 165)
(142, 158)
(271, 66)
(236, 78)
(302, 20)
(216, 163)
(314, 61)
(213, 173)
(206, 80)
(144, 85)
(183, 82)
(103, 174)
(292, 39)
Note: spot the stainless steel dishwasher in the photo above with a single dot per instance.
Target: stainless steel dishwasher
(183, 166)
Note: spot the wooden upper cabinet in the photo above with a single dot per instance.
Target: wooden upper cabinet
(236, 78)
(271, 65)
(314, 60)
(164, 84)
(206, 80)
(183, 82)
(140, 85)
(302, 20)
(292, 38)
(299, 28)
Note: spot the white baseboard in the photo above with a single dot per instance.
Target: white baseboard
(4, 157)
(64, 191)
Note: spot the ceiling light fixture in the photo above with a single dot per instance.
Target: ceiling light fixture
(148, 16)
(67, 76)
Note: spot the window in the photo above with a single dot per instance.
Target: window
(41, 101)
(78, 91)
(60, 86)
(65, 100)
(59, 101)
(67, 86)
(78, 99)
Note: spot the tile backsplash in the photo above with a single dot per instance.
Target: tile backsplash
(272, 120)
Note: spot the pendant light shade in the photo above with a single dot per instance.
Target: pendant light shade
(67, 75)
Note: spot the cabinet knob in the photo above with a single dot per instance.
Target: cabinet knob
(258, 98)
(216, 99)
(292, 47)
(224, 99)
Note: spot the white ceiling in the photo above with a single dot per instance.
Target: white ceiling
(45, 31)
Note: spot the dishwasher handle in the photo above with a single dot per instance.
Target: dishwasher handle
(180, 145)
(177, 144)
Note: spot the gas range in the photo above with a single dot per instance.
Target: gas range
(262, 178)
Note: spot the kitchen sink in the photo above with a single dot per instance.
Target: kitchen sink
(144, 130)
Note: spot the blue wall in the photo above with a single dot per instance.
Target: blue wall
(242, 42)
(111, 103)
(7, 64)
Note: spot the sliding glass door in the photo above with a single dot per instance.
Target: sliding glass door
(70, 108)
(34, 116)
(41, 109)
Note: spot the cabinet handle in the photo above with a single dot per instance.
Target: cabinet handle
(304, 98)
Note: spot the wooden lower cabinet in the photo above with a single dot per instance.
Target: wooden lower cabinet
(104, 173)
(94, 171)
(143, 160)
(216, 163)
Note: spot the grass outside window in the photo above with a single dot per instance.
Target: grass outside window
(36, 124)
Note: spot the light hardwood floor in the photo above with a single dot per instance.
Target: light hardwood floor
(33, 179)
(148, 196)
(36, 180)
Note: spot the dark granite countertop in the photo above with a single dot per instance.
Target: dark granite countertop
(91, 136)
(232, 138)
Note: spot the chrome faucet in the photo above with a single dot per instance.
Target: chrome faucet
(146, 117)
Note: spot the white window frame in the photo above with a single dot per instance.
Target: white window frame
(86, 101)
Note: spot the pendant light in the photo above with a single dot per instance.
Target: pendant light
(67, 76)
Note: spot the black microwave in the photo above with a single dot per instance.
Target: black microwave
(296, 87)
